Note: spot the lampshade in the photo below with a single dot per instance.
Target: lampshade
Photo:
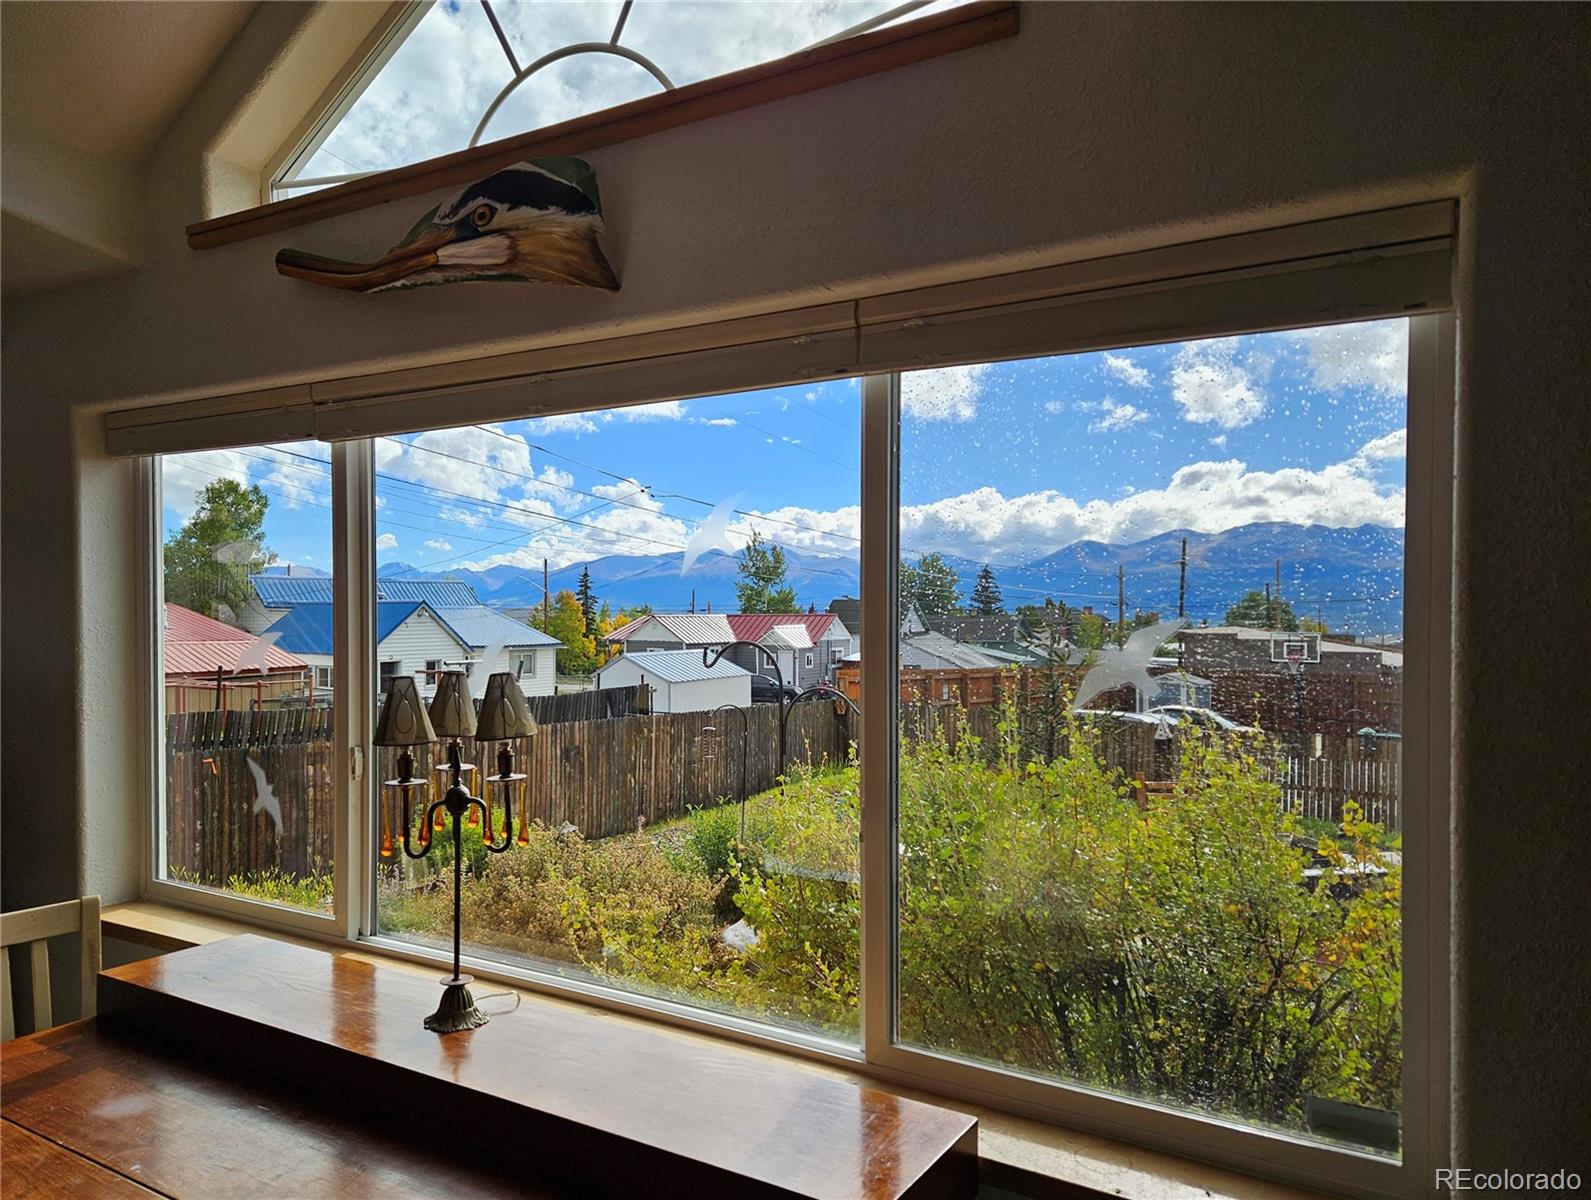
(403, 720)
(504, 712)
(452, 708)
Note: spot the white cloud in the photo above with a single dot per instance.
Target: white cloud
(1054, 406)
(1218, 440)
(663, 410)
(429, 96)
(438, 544)
(563, 423)
(1388, 445)
(387, 541)
(472, 462)
(721, 422)
(1119, 366)
(1117, 417)
(1211, 386)
(986, 524)
(184, 476)
(943, 393)
(1371, 354)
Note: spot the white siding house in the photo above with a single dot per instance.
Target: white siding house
(679, 681)
(414, 639)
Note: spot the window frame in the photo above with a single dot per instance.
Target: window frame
(1429, 593)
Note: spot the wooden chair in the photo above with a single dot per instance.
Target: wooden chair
(33, 927)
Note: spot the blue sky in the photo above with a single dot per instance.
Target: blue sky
(1003, 462)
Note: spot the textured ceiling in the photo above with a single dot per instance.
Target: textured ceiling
(85, 91)
(107, 77)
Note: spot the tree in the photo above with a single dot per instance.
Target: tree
(936, 591)
(588, 602)
(1089, 631)
(762, 587)
(1257, 612)
(986, 597)
(567, 623)
(209, 560)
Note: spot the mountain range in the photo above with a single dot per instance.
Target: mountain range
(1350, 578)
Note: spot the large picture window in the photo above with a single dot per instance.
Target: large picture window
(1132, 819)
(245, 714)
(655, 578)
(1151, 680)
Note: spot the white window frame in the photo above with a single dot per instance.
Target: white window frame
(1427, 743)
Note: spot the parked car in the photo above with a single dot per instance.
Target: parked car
(1204, 718)
(766, 691)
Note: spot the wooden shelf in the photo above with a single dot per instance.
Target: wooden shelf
(584, 1099)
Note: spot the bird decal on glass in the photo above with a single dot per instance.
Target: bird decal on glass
(535, 221)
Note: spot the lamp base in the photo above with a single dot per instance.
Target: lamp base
(457, 1010)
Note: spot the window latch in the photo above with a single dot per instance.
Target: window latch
(357, 761)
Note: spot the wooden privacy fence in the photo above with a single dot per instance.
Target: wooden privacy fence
(610, 776)
(1313, 784)
(603, 776)
(1317, 785)
(221, 812)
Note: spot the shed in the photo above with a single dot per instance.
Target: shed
(679, 680)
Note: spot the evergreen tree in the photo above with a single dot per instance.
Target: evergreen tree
(588, 602)
(986, 597)
(762, 587)
(209, 560)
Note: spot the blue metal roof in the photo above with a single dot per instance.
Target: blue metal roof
(283, 591)
(680, 666)
(478, 627)
(308, 628)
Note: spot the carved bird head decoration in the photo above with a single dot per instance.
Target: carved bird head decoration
(535, 221)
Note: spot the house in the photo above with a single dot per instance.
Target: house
(807, 646)
(276, 592)
(849, 611)
(936, 652)
(210, 664)
(672, 631)
(412, 638)
(679, 680)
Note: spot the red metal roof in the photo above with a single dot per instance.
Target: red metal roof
(753, 627)
(199, 645)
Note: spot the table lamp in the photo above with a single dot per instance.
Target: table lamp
(505, 714)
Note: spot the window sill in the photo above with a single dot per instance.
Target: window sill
(1015, 1154)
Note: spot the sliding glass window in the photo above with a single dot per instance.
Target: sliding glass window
(248, 798)
(674, 588)
(1151, 724)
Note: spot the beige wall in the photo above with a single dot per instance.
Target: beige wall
(1098, 128)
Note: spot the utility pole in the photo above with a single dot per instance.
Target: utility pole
(1270, 609)
(1278, 593)
(693, 599)
(546, 598)
(1182, 583)
(1121, 606)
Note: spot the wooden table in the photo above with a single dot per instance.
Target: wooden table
(252, 1068)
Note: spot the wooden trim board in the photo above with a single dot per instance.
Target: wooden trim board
(823, 66)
